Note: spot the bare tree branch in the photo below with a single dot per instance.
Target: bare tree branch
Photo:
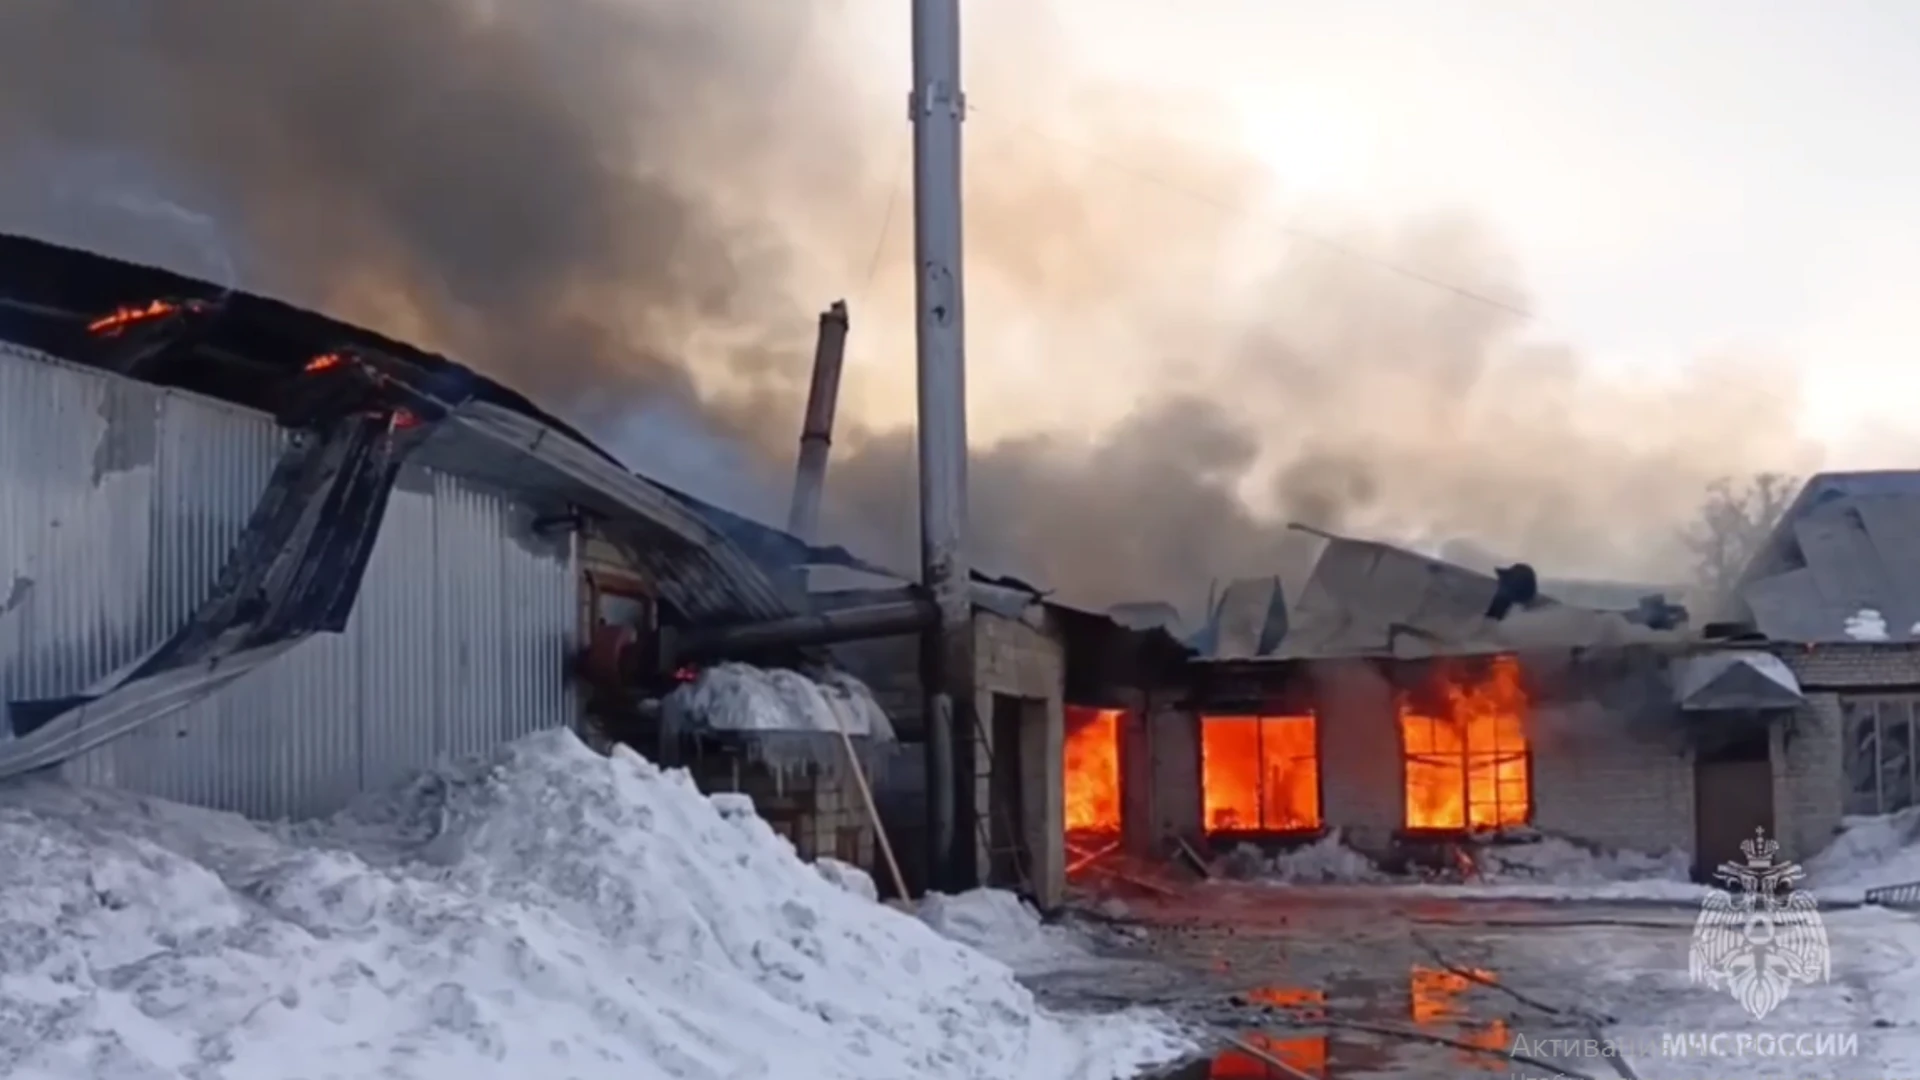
(1733, 524)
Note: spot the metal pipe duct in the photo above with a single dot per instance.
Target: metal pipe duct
(816, 432)
(936, 107)
(823, 628)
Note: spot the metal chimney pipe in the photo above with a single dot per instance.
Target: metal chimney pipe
(908, 616)
(816, 431)
(936, 106)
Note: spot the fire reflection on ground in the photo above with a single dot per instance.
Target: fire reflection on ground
(1435, 999)
(1260, 774)
(1308, 1055)
(1435, 1004)
(1467, 767)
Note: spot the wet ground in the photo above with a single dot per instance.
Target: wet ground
(1342, 983)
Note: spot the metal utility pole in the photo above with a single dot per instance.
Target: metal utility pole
(816, 431)
(936, 106)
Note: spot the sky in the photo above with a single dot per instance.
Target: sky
(1676, 180)
(1534, 276)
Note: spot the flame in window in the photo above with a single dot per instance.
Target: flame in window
(1092, 757)
(1260, 773)
(1468, 767)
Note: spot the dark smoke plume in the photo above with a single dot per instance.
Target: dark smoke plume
(515, 182)
(632, 209)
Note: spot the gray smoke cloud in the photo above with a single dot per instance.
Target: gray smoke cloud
(632, 209)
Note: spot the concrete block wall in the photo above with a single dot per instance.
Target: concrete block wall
(1022, 658)
(822, 814)
(1025, 659)
(1362, 776)
(1606, 779)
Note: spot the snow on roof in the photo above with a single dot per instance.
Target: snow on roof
(1735, 679)
(1849, 544)
(741, 697)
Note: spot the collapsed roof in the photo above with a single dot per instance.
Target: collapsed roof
(252, 351)
(1843, 562)
(1368, 598)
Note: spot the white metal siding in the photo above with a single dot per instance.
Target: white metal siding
(120, 503)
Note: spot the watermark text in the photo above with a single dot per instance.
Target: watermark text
(1695, 1044)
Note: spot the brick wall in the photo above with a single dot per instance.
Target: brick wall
(1809, 787)
(1172, 804)
(1137, 792)
(1362, 778)
(1865, 665)
(1610, 779)
(891, 669)
(1810, 783)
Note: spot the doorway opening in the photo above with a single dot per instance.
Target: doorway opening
(1732, 790)
(1010, 861)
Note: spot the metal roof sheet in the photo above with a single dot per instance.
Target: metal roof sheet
(1849, 543)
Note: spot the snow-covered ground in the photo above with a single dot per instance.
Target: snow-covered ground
(1641, 979)
(550, 913)
(1003, 926)
(1870, 852)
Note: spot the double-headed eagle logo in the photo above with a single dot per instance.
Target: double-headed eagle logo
(1760, 937)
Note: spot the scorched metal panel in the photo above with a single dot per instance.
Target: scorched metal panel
(119, 504)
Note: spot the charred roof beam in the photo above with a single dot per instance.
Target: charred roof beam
(141, 340)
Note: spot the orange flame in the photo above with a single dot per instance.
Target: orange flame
(127, 316)
(1092, 782)
(1260, 773)
(1469, 768)
(324, 362)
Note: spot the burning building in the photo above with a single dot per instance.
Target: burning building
(1408, 702)
(261, 560)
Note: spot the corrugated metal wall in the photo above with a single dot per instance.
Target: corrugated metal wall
(118, 505)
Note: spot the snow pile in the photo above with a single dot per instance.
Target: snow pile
(740, 697)
(848, 877)
(1869, 853)
(1326, 861)
(1867, 624)
(1541, 868)
(553, 913)
(1005, 927)
(1553, 868)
